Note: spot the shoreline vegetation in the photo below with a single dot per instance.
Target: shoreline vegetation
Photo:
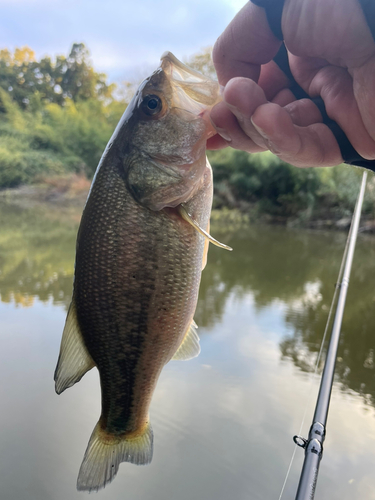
(65, 196)
(56, 117)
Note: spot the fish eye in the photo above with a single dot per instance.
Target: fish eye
(151, 104)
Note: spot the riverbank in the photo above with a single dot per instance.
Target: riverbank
(67, 196)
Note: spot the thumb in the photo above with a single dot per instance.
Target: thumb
(246, 43)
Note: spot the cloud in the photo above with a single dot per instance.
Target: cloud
(122, 35)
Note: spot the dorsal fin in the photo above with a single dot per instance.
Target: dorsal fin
(74, 360)
(189, 347)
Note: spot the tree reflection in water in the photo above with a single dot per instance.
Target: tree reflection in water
(296, 268)
(36, 255)
(300, 269)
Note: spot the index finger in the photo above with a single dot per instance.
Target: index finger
(245, 45)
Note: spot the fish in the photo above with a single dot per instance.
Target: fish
(141, 247)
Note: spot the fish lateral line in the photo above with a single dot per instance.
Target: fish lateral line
(188, 218)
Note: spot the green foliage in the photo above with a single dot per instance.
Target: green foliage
(278, 188)
(202, 62)
(57, 116)
(263, 178)
(340, 187)
(81, 129)
(70, 77)
(51, 139)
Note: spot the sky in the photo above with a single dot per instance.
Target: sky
(125, 38)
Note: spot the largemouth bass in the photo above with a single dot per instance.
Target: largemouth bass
(141, 247)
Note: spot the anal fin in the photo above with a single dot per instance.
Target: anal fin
(189, 347)
(74, 360)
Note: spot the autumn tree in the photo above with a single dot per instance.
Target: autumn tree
(202, 62)
(70, 77)
(16, 73)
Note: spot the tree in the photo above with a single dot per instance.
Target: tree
(17, 75)
(70, 77)
(77, 78)
(202, 62)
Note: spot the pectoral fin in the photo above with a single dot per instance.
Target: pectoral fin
(189, 347)
(186, 216)
(74, 360)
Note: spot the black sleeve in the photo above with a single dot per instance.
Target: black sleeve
(274, 10)
(368, 7)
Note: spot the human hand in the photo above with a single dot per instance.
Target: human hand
(331, 54)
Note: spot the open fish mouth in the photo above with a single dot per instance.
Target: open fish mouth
(192, 91)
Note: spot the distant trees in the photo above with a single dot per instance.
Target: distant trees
(57, 114)
(72, 77)
(202, 62)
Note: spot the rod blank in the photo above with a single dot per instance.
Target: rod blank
(314, 444)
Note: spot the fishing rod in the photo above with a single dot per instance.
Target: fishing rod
(313, 445)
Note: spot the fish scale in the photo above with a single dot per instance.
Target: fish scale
(138, 264)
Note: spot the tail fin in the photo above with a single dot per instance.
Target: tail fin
(105, 452)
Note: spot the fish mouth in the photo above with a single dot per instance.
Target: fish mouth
(192, 91)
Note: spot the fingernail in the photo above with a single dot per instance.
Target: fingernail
(237, 113)
(223, 133)
(259, 130)
(269, 144)
(234, 109)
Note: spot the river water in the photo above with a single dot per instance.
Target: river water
(223, 422)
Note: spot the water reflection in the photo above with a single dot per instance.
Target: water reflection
(295, 268)
(355, 366)
(36, 256)
(299, 269)
(223, 421)
(274, 264)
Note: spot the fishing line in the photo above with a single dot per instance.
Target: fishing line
(313, 374)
